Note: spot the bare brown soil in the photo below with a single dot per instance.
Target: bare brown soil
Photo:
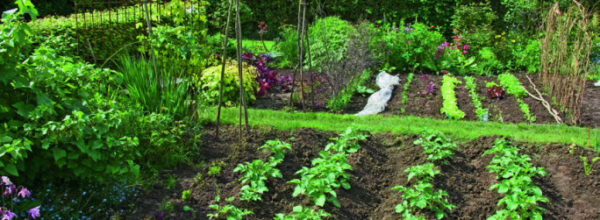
(378, 166)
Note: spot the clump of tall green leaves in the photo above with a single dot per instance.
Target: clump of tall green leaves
(437, 146)
(257, 172)
(304, 213)
(422, 195)
(515, 173)
(471, 85)
(328, 172)
(341, 100)
(329, 41)
(450, 105)
(587, 166)
(161, 92)
(513, 86)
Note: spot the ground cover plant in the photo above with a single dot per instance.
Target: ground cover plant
(513, 86)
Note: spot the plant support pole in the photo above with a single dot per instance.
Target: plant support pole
(223, 60)
(298, 46)
(238, 36)
(301, 53)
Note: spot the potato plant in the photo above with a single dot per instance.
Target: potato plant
(229, 212)
(422, 195)
(304, 213)
(437, 146)
(515, 173)
(328, 172)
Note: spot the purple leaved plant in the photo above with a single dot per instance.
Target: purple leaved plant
(266, 78)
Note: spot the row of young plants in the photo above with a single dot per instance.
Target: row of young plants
(422, 195)
(480, 111)
(254, 175)
(513, 86)
(405, 88)
(515, 174)
(328, 172)
(450, 104)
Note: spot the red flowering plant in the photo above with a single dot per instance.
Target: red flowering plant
(452, 57)
(262, 29)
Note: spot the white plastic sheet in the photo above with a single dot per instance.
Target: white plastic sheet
(378, 100)
(597, 83)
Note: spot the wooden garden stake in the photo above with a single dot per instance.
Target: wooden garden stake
(223, 60)
(238, 36)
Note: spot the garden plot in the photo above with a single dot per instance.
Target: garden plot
(378, 166)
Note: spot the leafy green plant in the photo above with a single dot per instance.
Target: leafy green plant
(437, 146)
(255, 173)
(515, 174)
(302, 213)
(328, 172)
(215, 168)
(471, 85)
(328, 41)
(453, 58)
(186, 195)
(342, 98)
(405, 88)
(287, 45)
(277, 149)
(208, 83)
(473, 23)
(450, 105)
(488, 63)
(228, 211)
(587, 166)
(422, 195)
(514, 87)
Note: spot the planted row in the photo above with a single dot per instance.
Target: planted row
(422, 194)
(515, 173)
(471, 85)
(341, 100)
(409, 80)
(514, 87)
(450, 105)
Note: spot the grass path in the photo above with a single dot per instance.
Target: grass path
(461, 130)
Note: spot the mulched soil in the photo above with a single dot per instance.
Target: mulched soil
(378, 166)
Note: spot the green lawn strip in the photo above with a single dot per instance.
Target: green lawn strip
(459, 130)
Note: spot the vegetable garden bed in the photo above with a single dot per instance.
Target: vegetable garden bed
(378, 166)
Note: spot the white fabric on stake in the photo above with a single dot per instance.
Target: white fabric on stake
(378, 100)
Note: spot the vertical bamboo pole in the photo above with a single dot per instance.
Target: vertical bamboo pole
(239, 59)
(223, 60)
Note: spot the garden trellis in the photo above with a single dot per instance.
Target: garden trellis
(117, 16)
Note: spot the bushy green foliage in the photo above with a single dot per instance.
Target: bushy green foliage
(409, 47)
(328, 41)
(302, 213)
(209, 84)
(527, 56)
(342, 98)
(515, 173)
(453, 59)
(288, 47)
(177, 46)
(254, 174)
(437, 146)
(487, 62)
(480, 111)
(450, 105)
(473, 24)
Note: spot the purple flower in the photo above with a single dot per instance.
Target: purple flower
(466, 47)
(23, 193)
(34, 212)
(446, 44)
(431, 88)
(6, 181)
(441, 47)
(9, 190)
(424, 76)
(465, 52)
(8, 215)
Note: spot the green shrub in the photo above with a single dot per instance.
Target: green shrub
(328, 41)
(527, 56)
(409, 48)
(473, 23)
(209, 84)
(288, 46)
(487, 62)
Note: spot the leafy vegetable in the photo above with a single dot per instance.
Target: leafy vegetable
(450, 105)
(471, 85)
